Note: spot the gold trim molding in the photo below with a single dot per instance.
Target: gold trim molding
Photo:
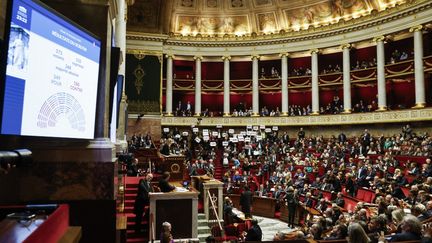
(416, 28)
(378, 38)
(342, 27)
(409, 115)
(346, 46)
(143, 52)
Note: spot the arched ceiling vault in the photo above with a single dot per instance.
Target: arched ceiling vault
(245, 17)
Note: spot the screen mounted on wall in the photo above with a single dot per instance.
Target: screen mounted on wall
(51, 79)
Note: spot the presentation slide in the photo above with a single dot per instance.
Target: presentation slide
(52, 76)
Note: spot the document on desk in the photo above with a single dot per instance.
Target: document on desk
(181, 189)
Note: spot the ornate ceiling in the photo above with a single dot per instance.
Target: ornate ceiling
(245, 17)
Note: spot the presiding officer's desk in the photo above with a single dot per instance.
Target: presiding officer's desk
(261, 206)
(179, 208)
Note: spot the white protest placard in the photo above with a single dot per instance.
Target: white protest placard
(197, 139)
(241, 139)
(166, 129)
(259, 137)
(177, 136)
(249, 127)
(215, 133)
(253, 133)
(268, 130)
(247, 139)
(195, 129)
(275, 128)
(262, 127)
(235, 140)
(243, 133)
(224, 134)
(206, 138)
(248, 133)
(231, 131)
(205, 132)
(213, 144)
(255, 128)
(225, 143)
(218, 126)
(185, 133)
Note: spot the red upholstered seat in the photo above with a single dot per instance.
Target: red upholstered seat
(241, 228)
(327, 195)
(410, 178)
(350, 204)
(368, 197)
(231, 230)
(405, 190)
(360, 194)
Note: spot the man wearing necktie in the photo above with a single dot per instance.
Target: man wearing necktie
(142, 200)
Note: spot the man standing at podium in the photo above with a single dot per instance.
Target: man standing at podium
(142, 200)
(164, 184)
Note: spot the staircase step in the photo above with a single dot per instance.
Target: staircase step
(201, 216)
(203, 230)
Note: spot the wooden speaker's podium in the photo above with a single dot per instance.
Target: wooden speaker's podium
(206, 185)
(179, 208)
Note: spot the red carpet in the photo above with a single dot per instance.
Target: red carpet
(131, 188)
(219, 170)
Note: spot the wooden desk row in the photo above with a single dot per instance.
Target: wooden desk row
(261, 206)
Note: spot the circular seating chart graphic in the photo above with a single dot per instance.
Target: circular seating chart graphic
(58, 105)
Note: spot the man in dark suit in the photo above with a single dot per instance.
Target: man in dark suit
(308, 201)
(292, 202)
(164, 184)
(321, 205)
(142, 200)
(246, 202)
(361, 174)
(301, 134)
(339, 200)
(342, 137)
(411, 230)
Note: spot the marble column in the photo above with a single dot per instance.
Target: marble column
(120, 40)
(420, 100)
(169, 85)
(346, 77)
(315, 87)
(255, 86)
(226, 108)
(382, 96)
(284, 63)
(198, 60)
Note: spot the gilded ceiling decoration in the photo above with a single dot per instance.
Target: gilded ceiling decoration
(246, 17)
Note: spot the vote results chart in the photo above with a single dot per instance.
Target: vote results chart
(61, 79)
